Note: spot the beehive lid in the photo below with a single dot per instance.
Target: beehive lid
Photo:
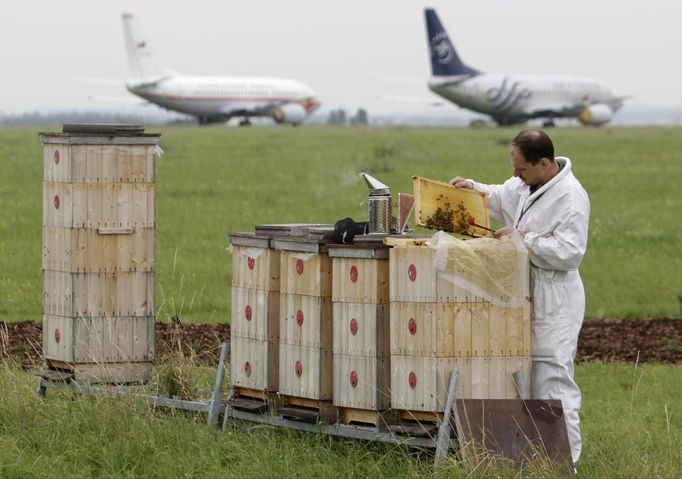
(291, 229)
(300, 244)
(103, 128)
(359, 250)
(248, 239)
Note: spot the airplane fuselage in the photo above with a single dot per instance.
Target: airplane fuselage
(516, 98)
(221, 98)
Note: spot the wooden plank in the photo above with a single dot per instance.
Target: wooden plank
(360, 280)
(413, 329)
(459, 204)
(251, 393)
(248, 239)
(306, 274)
(497, 378)
(256, 268)
(255, 314)
(377, 419)
(124, 163)
(310, 410)
(412, 275)
(420, 416)
(254, 364)
(79, 161)
(527, 329)
(362, 382)
(499, 341)
(358, 251)
(480, 329)
(93, 167)
(406, 241)
(138, 163)
(361, 329)
(480, 380)
(145, 139)
(114, 373)
(140, 204)
(305, 321)
(305, 372)
(109, 158)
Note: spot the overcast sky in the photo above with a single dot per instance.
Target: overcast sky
(348, 51)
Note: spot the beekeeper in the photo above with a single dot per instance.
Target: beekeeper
(546, 204)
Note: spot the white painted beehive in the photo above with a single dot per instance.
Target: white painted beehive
(254, 321)
(361, 327)
(99, 252)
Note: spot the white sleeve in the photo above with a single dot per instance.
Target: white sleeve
(502, 200)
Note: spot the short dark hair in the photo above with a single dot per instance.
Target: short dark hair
(534, 145)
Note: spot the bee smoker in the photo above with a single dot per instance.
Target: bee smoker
(378, 205)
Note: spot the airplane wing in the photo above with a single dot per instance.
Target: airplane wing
(119, 99)
(100, 81)
(554, 109)
(567, 109)
(411, 99)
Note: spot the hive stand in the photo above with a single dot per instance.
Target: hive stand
(517, 429)
(51, 379)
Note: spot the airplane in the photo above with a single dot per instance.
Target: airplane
(212, 99)
(513, 99)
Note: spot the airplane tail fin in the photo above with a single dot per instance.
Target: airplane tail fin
(142, 67)
(444, 58)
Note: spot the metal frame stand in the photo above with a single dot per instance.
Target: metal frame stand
(49, 379)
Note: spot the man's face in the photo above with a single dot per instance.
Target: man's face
(529, 173)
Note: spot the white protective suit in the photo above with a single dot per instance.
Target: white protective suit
(555, 219)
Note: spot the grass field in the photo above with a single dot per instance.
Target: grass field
(632, 428)
(211, 181)
(214, 180)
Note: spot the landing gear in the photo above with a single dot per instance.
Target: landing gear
(245, 121)
(548, 123)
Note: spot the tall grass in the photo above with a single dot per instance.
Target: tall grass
(628, 431)
(214, 180)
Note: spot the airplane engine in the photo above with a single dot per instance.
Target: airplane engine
(595, 115)
(292, 113)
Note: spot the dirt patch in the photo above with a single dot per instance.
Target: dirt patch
(628, 340)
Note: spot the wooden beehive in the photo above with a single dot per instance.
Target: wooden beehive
(305, 359)
(99, 251)
(361, 326)
(255, 313)
(457, 317)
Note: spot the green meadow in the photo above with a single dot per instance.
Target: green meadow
(215, 180)
(211, 181)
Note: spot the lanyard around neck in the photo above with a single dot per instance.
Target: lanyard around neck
(524, 210)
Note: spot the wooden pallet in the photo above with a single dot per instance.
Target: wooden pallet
(378, 419)
(254, 400)
(308, 410)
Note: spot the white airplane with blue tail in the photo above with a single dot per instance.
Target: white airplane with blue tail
(513, 99)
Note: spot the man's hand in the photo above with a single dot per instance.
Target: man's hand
(460, 182)
(507, 231)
